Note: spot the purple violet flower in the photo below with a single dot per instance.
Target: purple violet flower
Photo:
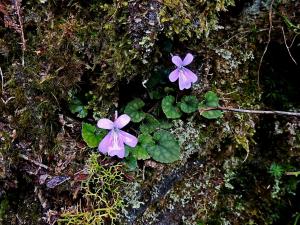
(185, 76)
(113, 142)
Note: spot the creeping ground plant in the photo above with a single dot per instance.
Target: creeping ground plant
(185, 76)
(113, 142)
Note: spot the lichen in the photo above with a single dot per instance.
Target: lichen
(102, 192)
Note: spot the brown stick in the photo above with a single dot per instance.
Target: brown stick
(275, 112)
(33, 161)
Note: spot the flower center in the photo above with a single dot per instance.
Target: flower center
(116, 130)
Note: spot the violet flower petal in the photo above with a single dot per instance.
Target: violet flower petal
(105, 124)
(128, 139)
(177, 61)
(184, 85)
(190, 75)
(122, 121)
(116, 146)
(187, 59)
(118, 152)
(188, 85)
(184, 82)
(105, 143)
(174, 75)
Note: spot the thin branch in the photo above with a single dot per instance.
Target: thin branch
(33, 161)
(269, 40)
(251, 111)
(288, 49)
(2, 80)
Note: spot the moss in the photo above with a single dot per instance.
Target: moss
(191, 19)
(93, 49)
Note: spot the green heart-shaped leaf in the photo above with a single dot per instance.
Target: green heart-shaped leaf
(164, 124)
(133, 109)
(91, 135)
(210, 100)
(140, 153)
(210, 114)
(156, 94)
(149, 125)
(171, 111)
(166, 150)
(189, 104)
(146, 140)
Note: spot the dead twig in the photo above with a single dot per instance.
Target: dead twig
(275, 112)
(33, 161)
(288, 49)
(269, 40)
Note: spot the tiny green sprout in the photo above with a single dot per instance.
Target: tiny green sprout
(276, 170)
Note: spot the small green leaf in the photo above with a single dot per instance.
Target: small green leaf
(211, 97)
(82, 113)
(166, 150)
(171, 111)
(90, 135)
(146, 140)
(127, 150)
(210, 114)
(76, 106)
(149, 125)
(133, 109)
(140, 153)
(164, 124)
(210, 100)
(189, 104)
(131, 163)
(156, 94)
